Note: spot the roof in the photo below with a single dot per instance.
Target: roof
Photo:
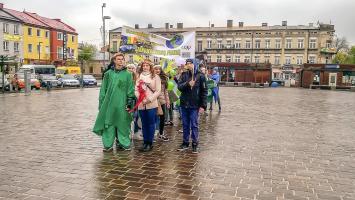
(234, 28)
(6, 16)
(25, 18)
(53, 23)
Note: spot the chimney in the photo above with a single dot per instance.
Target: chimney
(229, 23)
(264, 24)
(212, 25)
(1, 5)
(284, 23)
(150, 26)
(241, 24)
(310, 24)
(166, 25)
(180, 25)
(136, 26)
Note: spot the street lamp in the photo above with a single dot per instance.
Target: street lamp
(104, 32)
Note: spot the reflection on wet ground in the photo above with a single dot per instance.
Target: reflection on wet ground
(265, 144)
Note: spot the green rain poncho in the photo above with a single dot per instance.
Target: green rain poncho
(117, 91)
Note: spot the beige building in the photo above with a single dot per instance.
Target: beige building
(282, 46)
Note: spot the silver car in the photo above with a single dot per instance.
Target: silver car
(69, 81)
(45, 78)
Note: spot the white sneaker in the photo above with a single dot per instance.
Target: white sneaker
(138, 136)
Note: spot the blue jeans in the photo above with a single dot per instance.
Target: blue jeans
(190, 124)
(148, 124)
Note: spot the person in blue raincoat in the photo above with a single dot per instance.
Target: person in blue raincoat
(215, 91)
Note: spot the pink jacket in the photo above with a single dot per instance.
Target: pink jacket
(155, 85)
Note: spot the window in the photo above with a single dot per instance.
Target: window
(91, 70)
(6, 28)
(312, 43)
(47, 34)
(16, 47)
(267, 44)
(114, 46)
(209, 44)
(60, 52)
(277, 60)
(312, 59)
(59, 36)
(237, 59)
(299, 60)
(199, 46)
(73, 38)
(267, 59)
(30, 48)
(328, 45)
(130, 58)
(219, 58)
(257, 44)
(38, 32)
(147, 57)
(288, 60)
(278, 44)
(209, 59)
(72, 53)
(237, 44)
(247, 59)
(16, 29)
(228, 59)
(257, 59)
(300, 43)
(47, 49)
(247, 44)
(219, 44)
(288, 43)
(29, 31)
(6, 45)
(155, 59)
(229, 43)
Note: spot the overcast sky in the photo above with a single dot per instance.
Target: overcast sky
(85, 15)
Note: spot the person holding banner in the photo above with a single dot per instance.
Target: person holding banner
(148, 88)
(163, 101)
(115, 99)
(193, 100)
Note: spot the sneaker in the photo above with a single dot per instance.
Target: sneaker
(169, 123)
(180, 131)
(146, 147)
(194, 148)
(138, 136)
(183, 147)
(163, 137)
(107, 149)
(121, 148)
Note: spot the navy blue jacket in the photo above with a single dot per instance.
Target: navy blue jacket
(195, 97)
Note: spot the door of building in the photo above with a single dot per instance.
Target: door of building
(333, 79)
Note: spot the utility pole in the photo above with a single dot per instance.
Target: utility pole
(104, 34)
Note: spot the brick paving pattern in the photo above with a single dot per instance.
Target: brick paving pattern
(265, 144)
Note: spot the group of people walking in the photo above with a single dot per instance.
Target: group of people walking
(129, 92)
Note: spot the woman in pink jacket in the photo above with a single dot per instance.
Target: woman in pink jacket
(151, 84)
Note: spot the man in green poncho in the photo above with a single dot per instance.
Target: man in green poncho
(115, 99)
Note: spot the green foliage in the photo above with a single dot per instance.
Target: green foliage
(86, 52)
(345, 57)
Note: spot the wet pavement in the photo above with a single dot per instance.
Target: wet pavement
(270, 143)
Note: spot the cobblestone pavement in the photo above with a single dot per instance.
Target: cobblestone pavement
(265, 144)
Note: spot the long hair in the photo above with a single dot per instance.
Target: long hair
(147, 61)
(163, 76)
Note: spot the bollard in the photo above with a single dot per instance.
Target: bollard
(49, 86)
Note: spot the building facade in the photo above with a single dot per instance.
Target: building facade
(11, 39)
(285, 47)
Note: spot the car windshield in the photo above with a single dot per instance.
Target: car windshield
(68, 77)
(88, 77)
(22, 76)
(48, 77)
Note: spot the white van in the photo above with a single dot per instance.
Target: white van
(38, 69)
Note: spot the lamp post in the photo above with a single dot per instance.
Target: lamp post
(104, 32)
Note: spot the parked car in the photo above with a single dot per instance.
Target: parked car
(45, 78)
(68, 81)
(6, 83)
(35, 84)
(89, 80)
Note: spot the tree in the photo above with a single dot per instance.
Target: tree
(341, 44)
(86, 54)
(345, 57)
